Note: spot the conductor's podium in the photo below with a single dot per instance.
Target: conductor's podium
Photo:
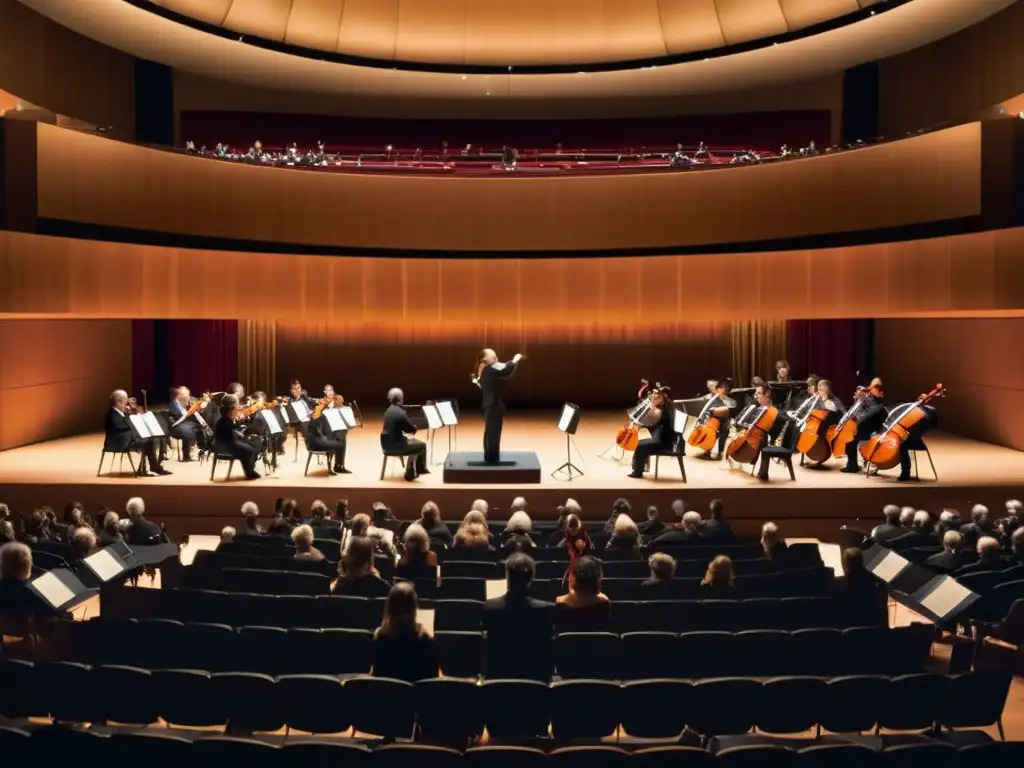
(464, 467)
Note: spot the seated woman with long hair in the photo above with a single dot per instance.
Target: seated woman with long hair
(585, 608)
(430, 519)
(718, 579)
(402, 648)
(473, 531)
(357, 576)
(417, 561)
(625, 536)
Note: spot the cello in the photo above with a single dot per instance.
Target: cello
(840, 435)
(883, 449)
(813, 442)
(705, 431)
(629, 433)
(747, 445)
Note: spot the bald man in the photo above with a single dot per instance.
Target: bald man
(394, 438)
(490, 375)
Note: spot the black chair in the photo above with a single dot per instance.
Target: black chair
(790, 704)
(728, 705)
(706, 654)
(757, 756)
(671, 757)
(460, 654)
(250, 701)
(913, 702)
(209, 646)
(390, 455)
(504, 757)
(460, 589)
(221, 457)
(64, 686)
(676, 452)
(782, 452)
(516, 709)
(126, 695)
(386, 707)
(115, 454)
(471, 569)
(581, 655)
(458, 615)
(851, 704)
(51, 745)
(934, 754)
(819, 651)
(185, 697)
(150, 748)
(314, 703)
(666, 719)
(213, 751)
(404, 755)
(974, 700)
(838, 755)
(14, 745)
(646, 655)
(324, 752)
(448, 711)
(588, 757)
(584, 709)
(261, 649)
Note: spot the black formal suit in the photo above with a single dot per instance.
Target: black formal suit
(650, 529)
(187, 431)
(319, 437)
(491, 378)
(676, 535)
(887, 532)
(870, 419)
(519, 637)
(716, 530)
(947, 562)
(119, 437)
(144, 532)
(228, 442)
(662, 438)
(394, 440)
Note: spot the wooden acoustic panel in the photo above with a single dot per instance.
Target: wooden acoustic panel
(94, 180)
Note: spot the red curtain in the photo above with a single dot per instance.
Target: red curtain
(839, 350)
(143, 359)
(201, 354)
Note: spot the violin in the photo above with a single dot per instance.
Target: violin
(883, 449)
(198, 405)
(336, 400)
(747, 445)
(629, 434)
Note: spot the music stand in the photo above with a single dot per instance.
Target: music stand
(689, 409)
(61, 589)
(272, 419)
(783, 391)
(434, 423)
(101, 567)
(568, 422)
(447, 409)
(297, 412)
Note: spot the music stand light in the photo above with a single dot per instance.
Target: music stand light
(568, 422)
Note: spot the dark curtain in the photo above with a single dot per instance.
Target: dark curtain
(200, 354)
(757, 130)
(839, 350)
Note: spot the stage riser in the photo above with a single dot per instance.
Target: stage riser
(802, 511)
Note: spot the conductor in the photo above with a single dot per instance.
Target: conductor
(489, 376)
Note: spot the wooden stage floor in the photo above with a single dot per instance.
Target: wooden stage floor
(816, 504)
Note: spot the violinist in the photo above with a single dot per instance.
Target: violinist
(718, 399)
(660, 420)
(185, 429)
(322, 438)
(764, 401)
(270, 444)
(870, 418)
(118, 435)
(228, 440)
(296, 393)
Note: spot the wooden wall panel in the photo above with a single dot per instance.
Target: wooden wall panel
(979, 361)
(968, 274)
(93, 180)
(56, 375)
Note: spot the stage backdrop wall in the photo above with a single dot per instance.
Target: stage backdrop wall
(979, 361)
(56, 376)
(590, 365)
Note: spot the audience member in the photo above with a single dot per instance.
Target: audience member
(625, 536)
(481, 506)
(1013, 520)
(863, 596)
(383, 519)
(430, 519)
(663, 572)
(341, 510)
(990, 557)
(473, 531)
(1017, 547)
(280, 527)
(110, 532)
(970, 534)
(979, 516)
(7, 534)
(949, 520)
(774, 545)
(321, 523)
(907, 518)
(302, 537)
(17, 600)
(83, 543)
(571, 507)
(919, 535)
(74, 518)
(518, 627)
(652, 527)
(250, 522)
(518, 505)
(891, 528)
(719, 580)
(584, 608)
(685, 532)
(952, 557)
(357, 575)
(517, 535)
(142, 532)
(37, 527)
(715, 528)
(402, 648)
(619, 507)
(289, 512)
(417, 561)
(227, 534)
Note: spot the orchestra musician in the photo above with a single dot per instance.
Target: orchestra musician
(829, 401)
(227, 439)
(490, 375)
(764, 401)
(870, 419)
(394, 436)
(185, 429)
(118, 436)
(295, 393)
(782, 372)
(719, 398)
(660, 420)
(339, 438)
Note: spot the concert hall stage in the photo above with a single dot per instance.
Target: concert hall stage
(813, 506)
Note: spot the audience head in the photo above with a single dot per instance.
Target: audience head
(625, 527)
(400, 609)
(678, 508)
(949, 517)
(473, 535)
(341, 509)
(719, 572)
(110, 523)
(652, 512)
(891, 513)
(380, 513)
(1014, 508)
(318, 510)
(769, 535)
(302, 537)
(416, 540)
(359, 525)
(430, 515)
(573, 525)
(988, 547)
(83, 542)
(979, 514)
(621, 507)
(663, 567)
(907, 516)
(853, 561)
(572, 507)
(73, 513)
(290, 509)
(15, 562)
(952, 541)
(520, 522)
(135, 508)
(227, 533)
(518, 505)
(970, 533)
(691, 520)
(587, 575)
(519, 570)
(921, 520)
(717, 509)
(358, 558)
(481, 506)
(6, 531)
(249, 509)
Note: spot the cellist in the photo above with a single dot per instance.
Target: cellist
(870, 419)
(660, 421)
(718, 398)
(764, 401)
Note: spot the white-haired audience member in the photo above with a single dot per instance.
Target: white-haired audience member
(83, 543)
(979, 516)
(686, 531)
(227, 534)
(949, 520)
(1017, 546)
(481, 506)
(17, 600)
(516, 537)
(952, 557)
(430, 519)
(518, 505)
(302, 537)
(625, 536)
(110, 532)
(774, 544)
(1013, 520)
(417, 561)
(891, 528)
(142, 532)
(663, 571)
(250, 521)
(990, 557)
(6, 532)
(907, 518)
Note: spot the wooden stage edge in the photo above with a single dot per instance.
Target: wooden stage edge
(815, 505)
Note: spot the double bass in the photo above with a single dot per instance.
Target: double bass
(747, 445)
(843, 433)
(883, 449)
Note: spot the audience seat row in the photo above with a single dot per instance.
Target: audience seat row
(633, 656)
(47, 745)
(453, 710)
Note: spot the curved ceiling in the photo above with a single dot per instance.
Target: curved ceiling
(126, 27)
(519, 33)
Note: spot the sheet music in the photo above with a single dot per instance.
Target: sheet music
(679, 419)
(349, 416)
(104, 565)
(448, 417)
(433, 417)
(566, 418)
(889, 567)
(944, 599)
(140, 425)
(272, 422)
(301, 410)
(155, 428)
(53, 590)
(334, 420)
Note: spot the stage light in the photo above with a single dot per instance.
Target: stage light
(569, 419)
